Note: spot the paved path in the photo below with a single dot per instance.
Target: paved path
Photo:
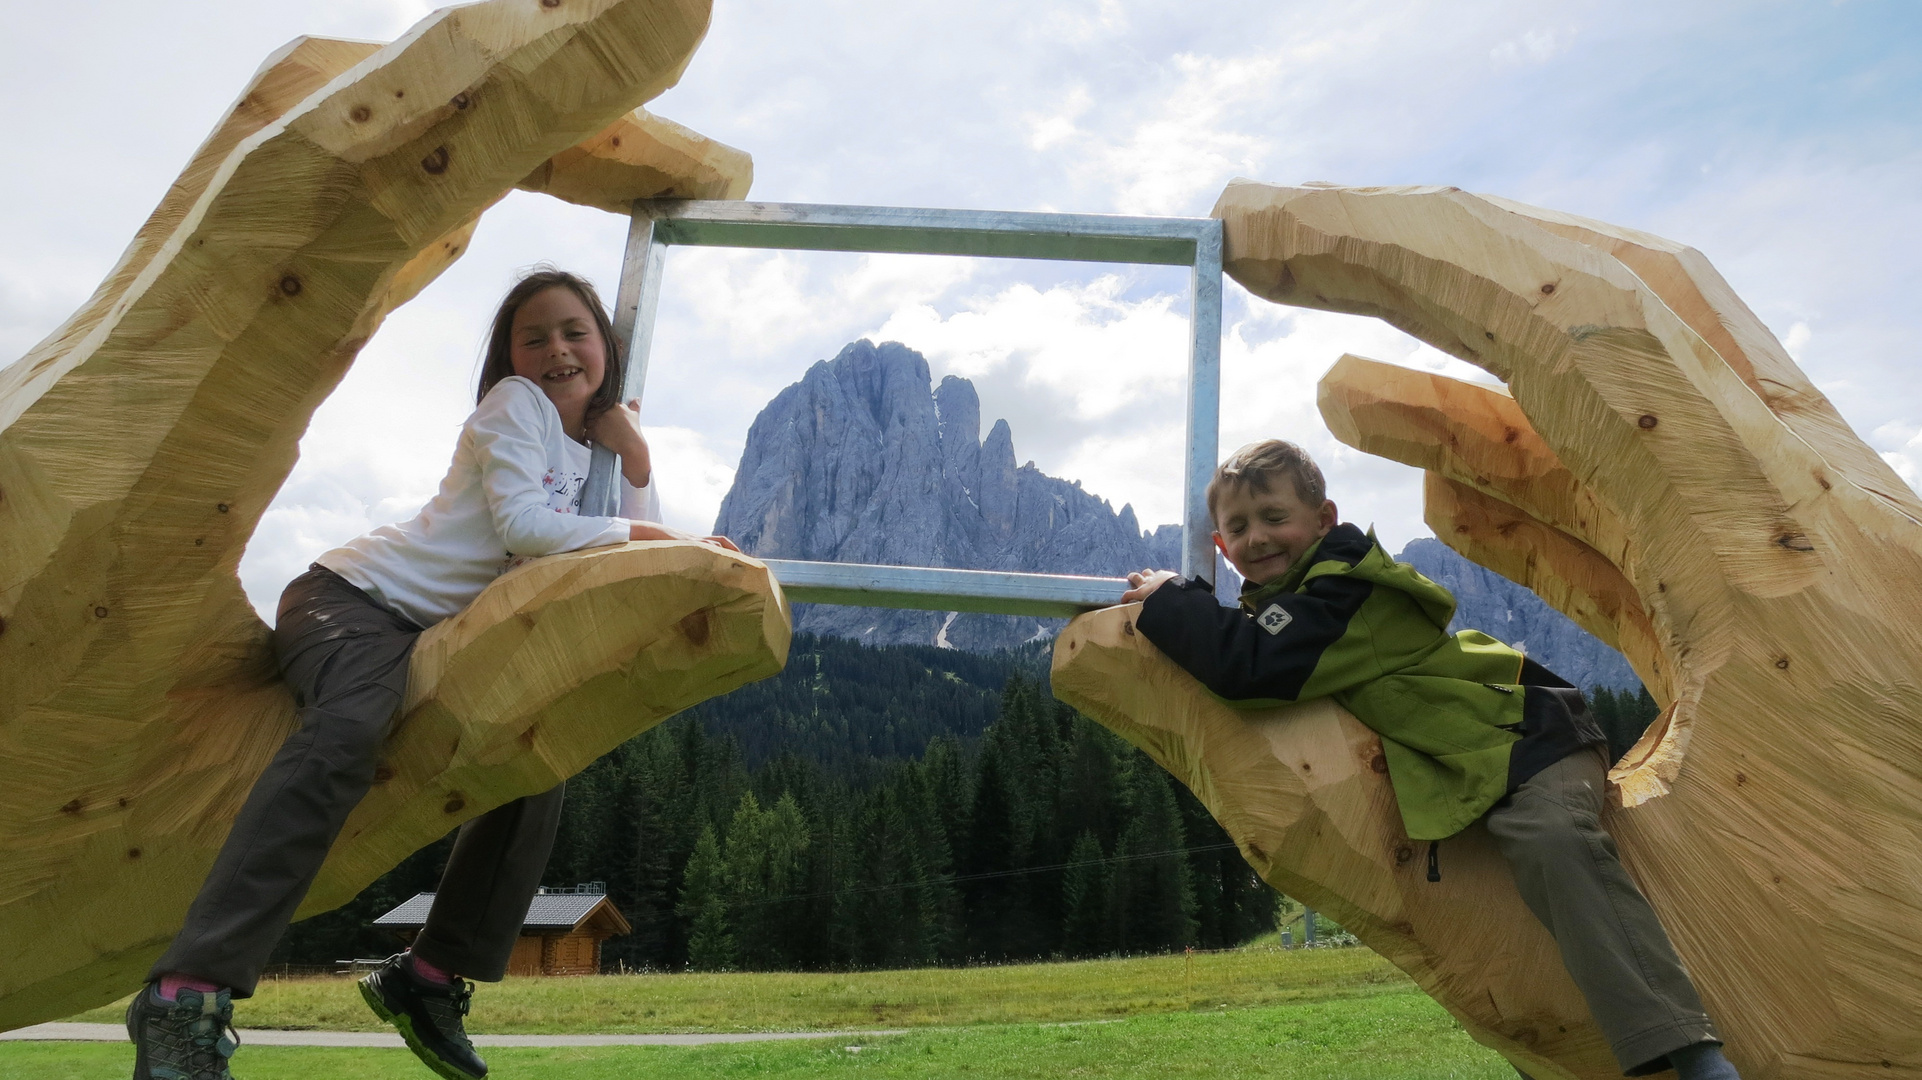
(69, 1032)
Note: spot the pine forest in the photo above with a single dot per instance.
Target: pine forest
(877, 807)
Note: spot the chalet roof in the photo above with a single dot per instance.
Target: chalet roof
(548, 911)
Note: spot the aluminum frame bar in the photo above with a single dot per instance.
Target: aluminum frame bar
(1192, 242)
(1005, 234)
(924, 588)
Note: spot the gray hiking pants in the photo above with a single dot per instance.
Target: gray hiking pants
(1569, 874)
(345, 657)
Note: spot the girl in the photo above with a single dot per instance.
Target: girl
(550, 384)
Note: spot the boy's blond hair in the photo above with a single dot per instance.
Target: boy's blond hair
(1259, 464)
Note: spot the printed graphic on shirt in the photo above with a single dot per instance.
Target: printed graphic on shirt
(1274, 618)
(564, 490)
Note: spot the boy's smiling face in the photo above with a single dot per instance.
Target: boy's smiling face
(1262, 533)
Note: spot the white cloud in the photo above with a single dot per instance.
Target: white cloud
(1047, 129)
(1900, 443)
(1797, 340)
(692, 478)
(1532, 47)
(1187, 143)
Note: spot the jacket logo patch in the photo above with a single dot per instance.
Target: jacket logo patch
(1274, 618)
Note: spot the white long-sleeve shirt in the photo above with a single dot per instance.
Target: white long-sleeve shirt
(512, 493)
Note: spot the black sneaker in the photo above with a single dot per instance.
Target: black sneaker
(428, 1015)
(187, 1039)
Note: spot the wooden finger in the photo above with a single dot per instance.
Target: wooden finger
(1572, 577)
(1695, 291)
(643, 156)
(1473, 435)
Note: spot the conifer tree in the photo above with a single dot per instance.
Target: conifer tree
(1154, 898)
(994, 898)
(1087, 900)
(703, 905)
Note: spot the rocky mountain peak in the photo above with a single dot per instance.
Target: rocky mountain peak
(864, 460)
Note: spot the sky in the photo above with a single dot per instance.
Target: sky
(1783, 138)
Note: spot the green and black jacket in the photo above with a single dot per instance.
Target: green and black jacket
(1351, 623)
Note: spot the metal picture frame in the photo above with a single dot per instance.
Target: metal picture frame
(657, 224)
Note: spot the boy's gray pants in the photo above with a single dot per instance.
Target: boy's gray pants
(1568, 872)
(345, 657)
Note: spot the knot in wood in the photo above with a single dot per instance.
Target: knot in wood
(222, 507)
(383, 773)
(133, 853)
(1647, 421)
(1404, 853)
(694, 627)
(550, 3)
(290, 285)
(1795, 542)
(361, 114)
(454, 805)
(100, 612)
(436, 162)
(1783, 663)
(1548, 289)
(461, 100)
(1379, 763)
(73, 806)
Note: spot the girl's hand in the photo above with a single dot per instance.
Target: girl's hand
(654, 530)
(619, 429)
(1146, 582)
(650, 530)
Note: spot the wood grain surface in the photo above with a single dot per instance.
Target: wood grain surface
(1655, 467)
(140, 443)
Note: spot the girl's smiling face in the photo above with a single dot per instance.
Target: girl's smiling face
(556, 343)
(1263, 532)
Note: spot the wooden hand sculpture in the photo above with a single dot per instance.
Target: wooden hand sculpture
(140, 443)
(1664, 475)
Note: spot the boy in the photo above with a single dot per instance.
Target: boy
(1469, 726)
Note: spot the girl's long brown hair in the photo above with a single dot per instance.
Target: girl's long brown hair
(498, 364)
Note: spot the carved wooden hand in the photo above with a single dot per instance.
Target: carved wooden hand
(138, 695)
(1664, 475)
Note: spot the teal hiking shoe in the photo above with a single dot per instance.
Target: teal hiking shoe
(187, 1039)
(429, 1015)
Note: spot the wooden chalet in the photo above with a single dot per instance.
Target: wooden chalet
(561, 936)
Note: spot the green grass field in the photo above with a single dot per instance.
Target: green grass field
(788, 1001)
(1341, 1013)
(1395, 1035)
